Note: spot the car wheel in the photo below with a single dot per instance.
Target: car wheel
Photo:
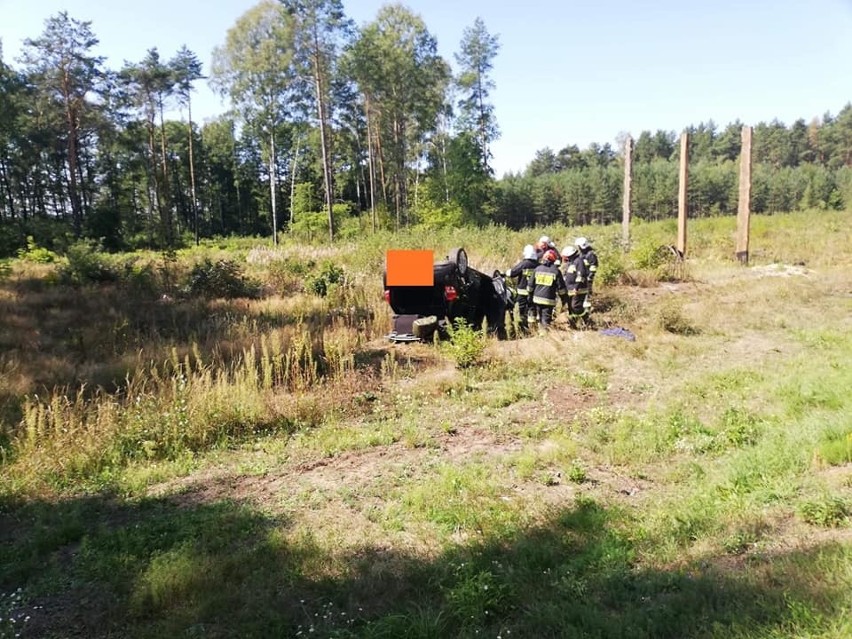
(458, 256)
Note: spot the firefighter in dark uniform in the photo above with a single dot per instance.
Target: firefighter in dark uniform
(546, 286)
(522, 271)
(576, 281)
(590, 258)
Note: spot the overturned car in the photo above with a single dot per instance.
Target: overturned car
(458, 291)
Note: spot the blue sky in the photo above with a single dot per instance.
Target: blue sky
(568, 72)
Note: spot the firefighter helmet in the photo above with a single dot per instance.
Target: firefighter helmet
(550, 256)
(529, 252)
(570, 251)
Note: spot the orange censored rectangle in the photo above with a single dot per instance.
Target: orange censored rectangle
(410, 268)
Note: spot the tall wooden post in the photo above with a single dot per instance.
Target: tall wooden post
(681, 193)
(744, 208)
(628, 190)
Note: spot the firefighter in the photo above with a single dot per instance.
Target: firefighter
(576, 281)
(546, 286)
(591, 260)
(544, 244)
(522, 272)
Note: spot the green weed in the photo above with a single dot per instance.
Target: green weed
(466, 499)
(835, 449)
(826, 511)
(466, 344)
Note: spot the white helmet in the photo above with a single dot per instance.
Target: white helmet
(529, 252)
(582, 242)
(569, 250)
(544, 240)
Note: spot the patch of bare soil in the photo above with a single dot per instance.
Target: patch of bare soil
(780, 270)
(781, 537)
(567, 402)
(352, 469)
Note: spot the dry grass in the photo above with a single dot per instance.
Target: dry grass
(572, 483)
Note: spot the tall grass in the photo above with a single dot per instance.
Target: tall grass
(693, 483)
(181, 406)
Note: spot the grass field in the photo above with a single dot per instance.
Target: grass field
(177, 464)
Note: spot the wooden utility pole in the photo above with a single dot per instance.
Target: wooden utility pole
(682, 192)
(744, 208)
(628, 189)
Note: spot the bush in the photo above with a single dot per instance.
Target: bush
(288, 275)
(466, 344)
(670, 318)
(322, 282)
(36, 254)
(220, 279)
(87, 265)
(610, 270)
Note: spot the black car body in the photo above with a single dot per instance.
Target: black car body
(458, 291)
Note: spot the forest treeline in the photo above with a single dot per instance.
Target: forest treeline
(334, 130)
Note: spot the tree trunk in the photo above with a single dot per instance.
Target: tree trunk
(482, 137)
(192, 169)
(4, 174)
(444, 167)
(370, 164)
(324, 137)
(293, 167)
(397, 196)
(166, 199)
(272, 184)
(153, 181)
(73, 169)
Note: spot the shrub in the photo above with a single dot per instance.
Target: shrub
(220, 279)
(321, 283)
(610, 270)
(577, 472)
(670, 318)
(35, 253)
(466, 344)
(662, 262)
(87, 265)
(288, 275)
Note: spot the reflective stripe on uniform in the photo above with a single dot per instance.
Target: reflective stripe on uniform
(543, 301)
(523, 291)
